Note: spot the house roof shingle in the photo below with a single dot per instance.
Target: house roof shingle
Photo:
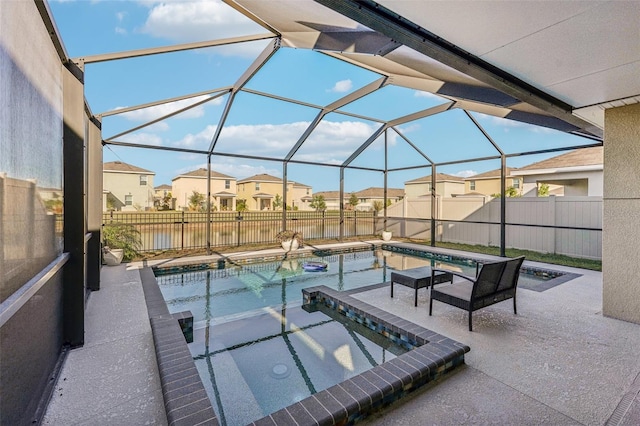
(372, 192)
(377, 192)
(580, 157)
(492, 174)
(328, 195)
(439, 178)
(263, 177)
(202, 172)
(119, 166)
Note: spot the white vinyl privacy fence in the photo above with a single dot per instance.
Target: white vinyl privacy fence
(570, 226)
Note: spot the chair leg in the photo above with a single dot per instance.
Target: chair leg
(391, 288)
(430, 305)
(515, 311)
(470, 326)
(415, 299)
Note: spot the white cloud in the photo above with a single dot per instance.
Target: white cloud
(465, 173)
(421, 94)
(151, 113)
(120, 16)
(506, 124)
(120, 30)
(185, 22)
(242, 171)
(142, 138)
(408, 128)
(330, 142)
(199, 140)
(342, 86)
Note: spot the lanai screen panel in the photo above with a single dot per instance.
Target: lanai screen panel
(449, 136)
(309, 76)
(335, 139)
(187, 123)
(391, 102)
(516, 137)
(263, 126)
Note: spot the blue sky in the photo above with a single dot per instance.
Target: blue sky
(258, 125)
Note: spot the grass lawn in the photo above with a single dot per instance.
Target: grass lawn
(556, 259)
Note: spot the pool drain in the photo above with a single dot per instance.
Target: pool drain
(280, 371)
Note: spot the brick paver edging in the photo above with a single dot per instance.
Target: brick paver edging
(347, 402)
(185, 398)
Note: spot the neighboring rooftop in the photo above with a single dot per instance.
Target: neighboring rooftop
(376, 192)
(119, 166)
(440, 177)
(263, 177)
(492, 174)
(203, 173)
(580, 157)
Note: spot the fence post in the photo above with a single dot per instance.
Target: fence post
(554, 218)
(238, 219)
(182, 232)
(324, 218)
(355, 222)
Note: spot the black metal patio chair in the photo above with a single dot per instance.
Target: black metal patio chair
(494, 283)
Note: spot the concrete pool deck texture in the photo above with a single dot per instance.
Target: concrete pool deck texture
(559, 361)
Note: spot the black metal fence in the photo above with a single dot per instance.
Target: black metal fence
(177, 230)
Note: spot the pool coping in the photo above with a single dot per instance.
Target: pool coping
(354, 399)
(185, 398)
(558, 277)
(187, 403)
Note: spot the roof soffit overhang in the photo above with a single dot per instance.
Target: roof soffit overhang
(381, 19)
(335, 29)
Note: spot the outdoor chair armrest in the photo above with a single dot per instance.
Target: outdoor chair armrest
(457, 274)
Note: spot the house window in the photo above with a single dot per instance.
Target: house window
(227, 184)
(516, 183)
(472, 185)
(307, 191)
(143, 180)
(257, 186)
(128, 200)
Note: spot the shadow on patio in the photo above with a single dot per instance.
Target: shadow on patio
(559, 361)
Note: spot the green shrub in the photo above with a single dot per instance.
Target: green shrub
(122, 236)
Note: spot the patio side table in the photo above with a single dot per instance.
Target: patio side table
(418, 278)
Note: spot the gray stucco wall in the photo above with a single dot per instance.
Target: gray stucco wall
(621, 214)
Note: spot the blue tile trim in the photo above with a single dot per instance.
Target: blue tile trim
(430, 356)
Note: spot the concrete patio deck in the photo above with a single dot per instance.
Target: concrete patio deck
(559, 361)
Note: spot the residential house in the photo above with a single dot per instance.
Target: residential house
(261, 191)
(126, 187)
(446, 186)
(223, 189)
(159, 194)
(488, 183)
(575, 173)
(368, 197)
(332, 199)
(302, 196)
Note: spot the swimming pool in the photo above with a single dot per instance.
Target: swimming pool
(251, 336)
(254, 366)
(242, 288)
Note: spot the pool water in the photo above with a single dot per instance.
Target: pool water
(258, 351)
(241, 289)
(254, 366)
